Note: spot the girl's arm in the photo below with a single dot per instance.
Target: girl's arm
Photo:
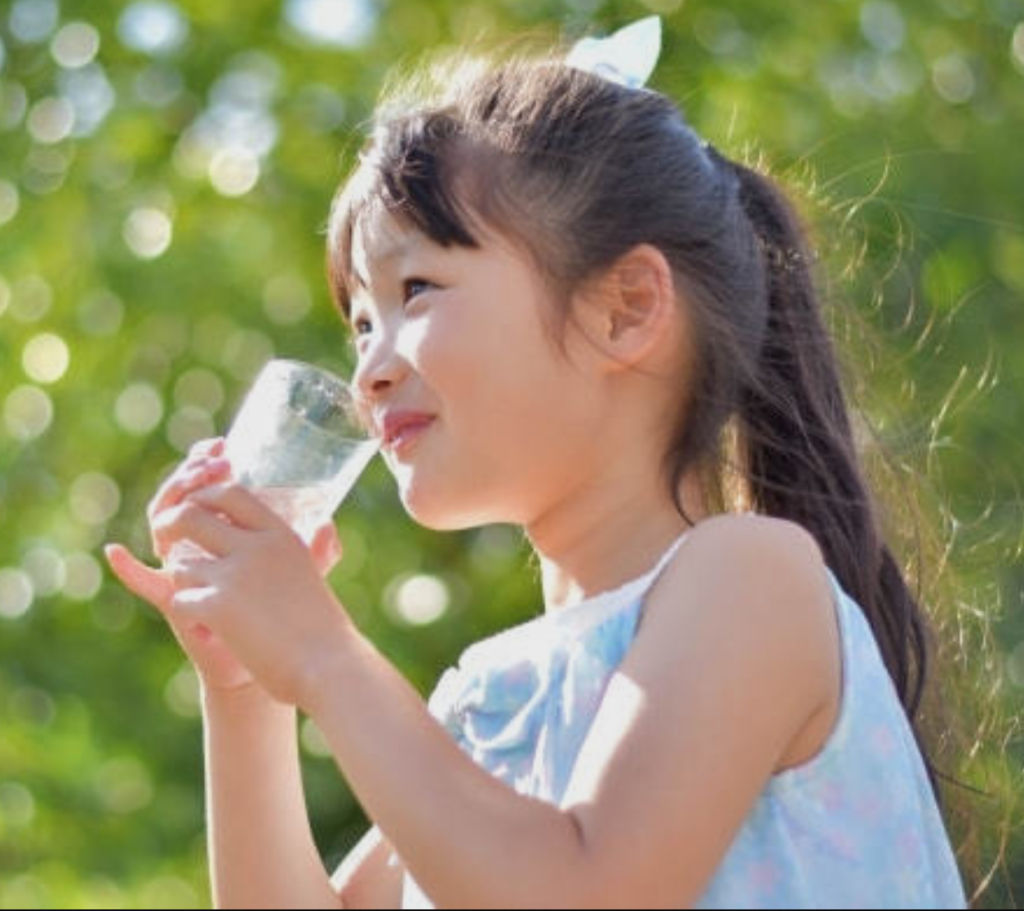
(262, 852)
(728, 669)
(735, 659)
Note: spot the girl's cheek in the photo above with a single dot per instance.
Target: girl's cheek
(414, 338)
(432, 348)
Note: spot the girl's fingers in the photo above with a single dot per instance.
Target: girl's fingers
(205, 449)
(204, 466)
(181, 476)
(149, 584)
(326, 549)
(185, 481)
(188, 573)
(240, 505)
(192, 522)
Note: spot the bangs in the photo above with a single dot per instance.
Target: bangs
(409, 171)
(470, 150)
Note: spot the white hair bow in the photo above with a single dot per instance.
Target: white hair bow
(628, 57)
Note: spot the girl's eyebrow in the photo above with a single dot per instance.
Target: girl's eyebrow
(396, 251)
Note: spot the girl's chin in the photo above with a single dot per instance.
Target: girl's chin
(438, 512)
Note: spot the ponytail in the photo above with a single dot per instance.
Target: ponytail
(801, 455)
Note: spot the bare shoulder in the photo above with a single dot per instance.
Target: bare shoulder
(752, 583)
(751, 553)
(726, 538)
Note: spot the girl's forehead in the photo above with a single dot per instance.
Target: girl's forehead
(379, 239)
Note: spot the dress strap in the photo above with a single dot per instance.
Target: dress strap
(667, 556)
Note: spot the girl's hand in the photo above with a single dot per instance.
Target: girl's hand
(205, 465)
(258, 588)
(216, 666)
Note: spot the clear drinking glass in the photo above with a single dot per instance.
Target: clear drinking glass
(299, 443)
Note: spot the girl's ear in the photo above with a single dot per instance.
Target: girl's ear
(631, 310)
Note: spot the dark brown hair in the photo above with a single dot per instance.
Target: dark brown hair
(579, 171)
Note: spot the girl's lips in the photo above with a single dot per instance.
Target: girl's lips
(403, 437)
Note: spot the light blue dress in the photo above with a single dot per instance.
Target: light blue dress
(856, 827)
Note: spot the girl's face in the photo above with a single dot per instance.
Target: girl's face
(458, 336)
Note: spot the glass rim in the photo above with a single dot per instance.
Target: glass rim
(348, 394)
(295, 363)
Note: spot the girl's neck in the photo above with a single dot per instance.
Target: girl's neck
(605, 536)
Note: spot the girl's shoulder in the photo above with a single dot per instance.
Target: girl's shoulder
(757, 582)
(750, 536)
(749, 560)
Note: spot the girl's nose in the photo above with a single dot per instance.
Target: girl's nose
(379, 372)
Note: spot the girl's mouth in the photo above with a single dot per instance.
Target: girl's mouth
(403, 431)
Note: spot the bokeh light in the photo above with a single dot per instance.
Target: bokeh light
(51, 120)
(46, 570)
(153, 27)
(341, 23)
(234, 172)
(883, 25)
(139, 409)
(84, 577)
(75, 45)
(31, 299)
(28, 413)
(148, 233)
(16, 593)
(33, 21)
(46, 358)
(954, 79)
(418, 600)
(91, 96)
(94, 498)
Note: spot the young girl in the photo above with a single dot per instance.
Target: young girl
(574, 315)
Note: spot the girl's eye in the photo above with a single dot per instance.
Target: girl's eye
(414, 287)
(362, 326)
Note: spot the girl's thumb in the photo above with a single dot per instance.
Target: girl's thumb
(326, 548)
(149, 584)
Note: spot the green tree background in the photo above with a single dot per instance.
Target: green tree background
(165, 174)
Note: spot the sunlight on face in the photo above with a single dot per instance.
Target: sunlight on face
(458, 335)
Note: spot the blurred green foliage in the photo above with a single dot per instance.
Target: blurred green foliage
(165, 174)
